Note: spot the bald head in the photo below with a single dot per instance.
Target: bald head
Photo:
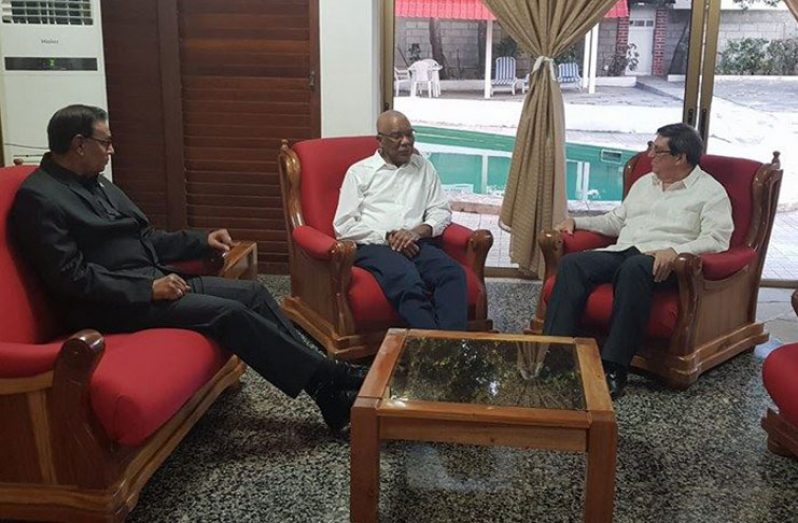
(391, 119)
(396, 137)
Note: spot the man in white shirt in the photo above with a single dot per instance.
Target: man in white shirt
(677, 208)
(393, 206)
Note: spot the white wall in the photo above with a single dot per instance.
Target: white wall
(350, 66)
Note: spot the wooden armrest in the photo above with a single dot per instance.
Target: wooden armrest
(469, 248)
(82, 441)
(207, 266)
(240, 262)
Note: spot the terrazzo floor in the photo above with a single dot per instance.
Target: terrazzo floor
(695, 455)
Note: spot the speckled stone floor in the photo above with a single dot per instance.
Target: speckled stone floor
(692, 456)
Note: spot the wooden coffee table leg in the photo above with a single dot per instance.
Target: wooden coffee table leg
(364, 462)
(600, 485)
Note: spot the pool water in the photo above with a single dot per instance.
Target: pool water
(478, 163)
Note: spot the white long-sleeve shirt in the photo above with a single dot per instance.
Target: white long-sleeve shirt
(377, 197)
(691, 216)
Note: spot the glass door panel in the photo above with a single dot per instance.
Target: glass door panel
(754, 109)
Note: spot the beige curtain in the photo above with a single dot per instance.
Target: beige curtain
(535, 195)
(793, 6)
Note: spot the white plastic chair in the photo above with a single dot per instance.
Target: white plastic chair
(424, 74)
(401, 78)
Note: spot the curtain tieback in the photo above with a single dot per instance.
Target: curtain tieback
(544, 59)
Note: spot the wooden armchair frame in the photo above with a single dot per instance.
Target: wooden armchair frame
(319, 287)
(708, 331)
(64, 467)
(782, 435)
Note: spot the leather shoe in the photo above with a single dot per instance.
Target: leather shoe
(335, 405)
(347, 376)
(616, 381)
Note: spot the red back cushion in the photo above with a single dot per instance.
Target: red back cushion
(27, 315)
(323, 163)
(735, 174)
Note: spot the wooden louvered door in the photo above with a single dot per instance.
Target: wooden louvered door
(131, 39)
(206, 89)
(248, 71)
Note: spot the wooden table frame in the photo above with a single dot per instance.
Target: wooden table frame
(375, 418)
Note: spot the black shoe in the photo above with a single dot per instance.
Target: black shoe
(347, 376)
(616, 381)
(335, 405)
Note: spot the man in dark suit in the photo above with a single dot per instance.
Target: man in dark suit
(97, 252)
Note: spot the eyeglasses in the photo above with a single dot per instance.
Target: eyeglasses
(652, 150)
(397, 137)
(107, 144)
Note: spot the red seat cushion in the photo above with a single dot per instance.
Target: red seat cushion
(28, 315)
(661, 322)
(372, 311)
(145, 377)
(779, 373)
(324, 163)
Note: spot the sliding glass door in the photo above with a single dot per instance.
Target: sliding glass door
(749, 107)
(646, 64)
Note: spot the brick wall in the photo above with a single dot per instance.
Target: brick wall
(658, 67)
(460, 38)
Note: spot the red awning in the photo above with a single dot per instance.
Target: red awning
(471, 9)
(451, 9)
(619, 10)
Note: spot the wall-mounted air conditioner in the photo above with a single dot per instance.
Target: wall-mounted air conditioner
(51, 55)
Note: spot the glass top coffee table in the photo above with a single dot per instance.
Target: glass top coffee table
(486, 389)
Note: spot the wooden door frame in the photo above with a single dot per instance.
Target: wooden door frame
(172, 100)
(315, 67)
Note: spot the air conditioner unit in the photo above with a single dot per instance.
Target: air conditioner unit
(51, 55)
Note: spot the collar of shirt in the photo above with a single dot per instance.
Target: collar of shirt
(49, 165)
(377, 162)
(685, 183)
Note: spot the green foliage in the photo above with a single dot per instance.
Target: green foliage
(783, 57)
(748, 56)
(621, 61)
(743, 56)
(507, 47)
(572, 54)
(745, 4)
(414, 53)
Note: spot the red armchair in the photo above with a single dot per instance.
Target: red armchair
(342, 306)
(711, 315)
(85, 420)
(779, 375)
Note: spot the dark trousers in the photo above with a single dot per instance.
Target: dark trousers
(633, 290)
(408, 282)
(239, 315)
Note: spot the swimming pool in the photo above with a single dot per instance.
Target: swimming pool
(475, 162)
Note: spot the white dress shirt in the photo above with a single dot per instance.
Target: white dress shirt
(691, 216)
(378, 197)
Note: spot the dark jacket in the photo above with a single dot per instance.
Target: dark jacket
(86, 254)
